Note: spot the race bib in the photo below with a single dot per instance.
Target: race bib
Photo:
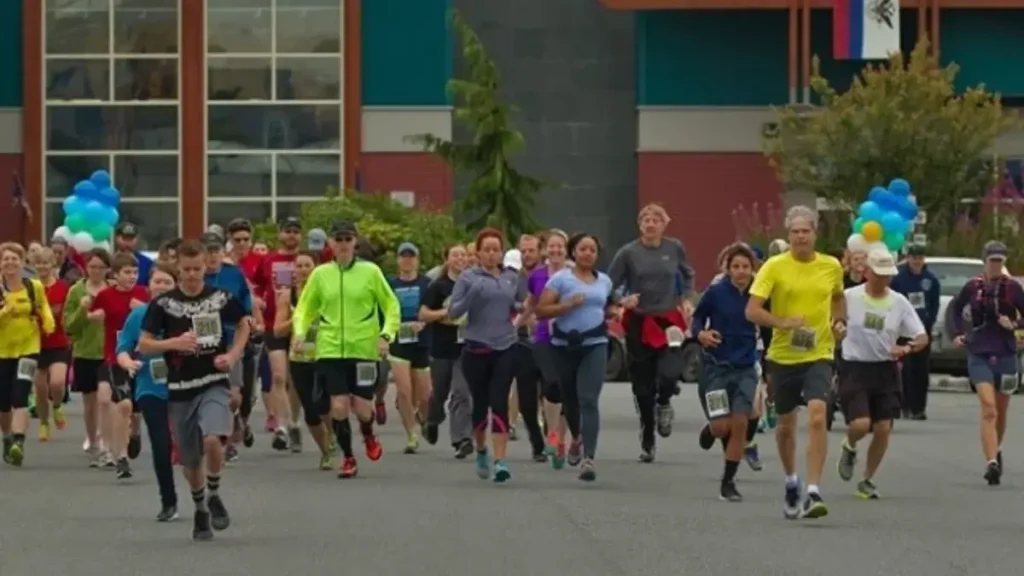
(158, 370)
(916, 299)
(282, 276)
(27, 369)
(874, 321)
(207, 328)
(803, 339)
(460, 334)
(1018, 335)
(675, 336)
(718, 403)
(366, 374)
(407, 333)
(1009, 384)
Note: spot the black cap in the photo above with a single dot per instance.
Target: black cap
(289, 223)
(915, 250)
(126, 229)
(342, 228)
(212, 241)
(995, 250)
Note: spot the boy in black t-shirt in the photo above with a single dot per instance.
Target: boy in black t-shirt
(189, 327)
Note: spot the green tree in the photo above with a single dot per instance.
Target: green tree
(499, 195)
(900, 119)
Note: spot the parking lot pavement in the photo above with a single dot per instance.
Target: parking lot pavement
(428, 515)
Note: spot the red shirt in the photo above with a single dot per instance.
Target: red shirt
(249, 264)
(116, 306)
(56, 294)
(275, 271)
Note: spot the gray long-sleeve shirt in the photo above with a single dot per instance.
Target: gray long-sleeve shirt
(490, 302)
(659, 274)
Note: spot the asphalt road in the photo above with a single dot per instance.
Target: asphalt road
(428, 515)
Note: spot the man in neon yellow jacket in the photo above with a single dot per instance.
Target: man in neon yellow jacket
(338, 310)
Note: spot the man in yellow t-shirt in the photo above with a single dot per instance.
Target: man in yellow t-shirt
(804, 292)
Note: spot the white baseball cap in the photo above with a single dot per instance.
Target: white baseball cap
(513, 259)
(882, 263)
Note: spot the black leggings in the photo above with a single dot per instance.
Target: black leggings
(528, 382)
(489, 374)
(315, 403)
(248, 383)
(14, 391)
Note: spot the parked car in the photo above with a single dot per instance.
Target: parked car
(617, 369)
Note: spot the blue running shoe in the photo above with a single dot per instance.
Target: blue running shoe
(501, 473)
(483, 465)
(791, 506)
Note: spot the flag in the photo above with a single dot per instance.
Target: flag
(19, 200)
(865, 29)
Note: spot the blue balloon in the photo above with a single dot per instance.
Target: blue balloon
(109, 196)
(86, 190)
(111, 216)
(876, 194)
(870, 211)
(888, 201)
(907, 209)
(900, 187)
(100, 179)
(893, 223)
(74, 205)
(94, 212)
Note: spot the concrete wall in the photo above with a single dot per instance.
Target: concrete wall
(570, 66)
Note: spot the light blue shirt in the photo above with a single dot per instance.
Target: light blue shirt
(586, 316)
(128, 341)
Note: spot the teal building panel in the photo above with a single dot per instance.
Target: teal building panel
(988, 45)
(11, 54)
(407, 53)
(712, 57)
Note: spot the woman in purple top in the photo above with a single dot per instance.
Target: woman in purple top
(555, 252)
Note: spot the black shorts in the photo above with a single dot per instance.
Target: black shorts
(348, 377)
(53, 356)
(275, 343)
(86, 374)
(415, 355)
(122, 386)
(870, 390)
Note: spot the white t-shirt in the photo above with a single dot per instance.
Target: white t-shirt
(874, 324)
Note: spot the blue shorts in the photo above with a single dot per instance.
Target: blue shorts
(991, 369)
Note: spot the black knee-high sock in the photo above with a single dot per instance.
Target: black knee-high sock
(752, 429)
(343, 432)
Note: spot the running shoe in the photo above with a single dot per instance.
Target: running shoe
(646, 455)
(412, 443)
(558, 458)
(326, 461)
(463, 450)
(280, 441)
(380, 412)
(814, 506)
(430, 433)
(44, 432)
(230, 454)
(501, 473)
(333, 448)
(541, 457)
(753, 457)
(134, 446)
(373, 448)
(201, 529)
(706, 440)
(59, 418)
(575, 455)
(729, 493)
(483, 465)
(167, 514)
(248, 438)
(666, 414)
(219, 517)
(270, 424)
(866, 490)
(295, 439)
(512, 435)
(16, 453)
(993, 473)
(587, 471)
(107, 460)
(847, 461)
(791, 502)
(349, 468)
(122, 469)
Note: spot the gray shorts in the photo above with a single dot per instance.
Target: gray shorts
(208, 414)
(797, 384)
(738, 383)
(992, 370)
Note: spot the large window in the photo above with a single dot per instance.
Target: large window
(274, 113)
(111, 72)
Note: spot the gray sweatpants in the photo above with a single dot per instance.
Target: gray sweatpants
(447, 378)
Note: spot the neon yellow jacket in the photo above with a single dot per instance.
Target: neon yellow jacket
(346, 303)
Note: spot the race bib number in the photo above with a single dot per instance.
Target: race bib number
(874, 321)
(207, 328)
(158, 370)
(282, 276)
(916, 299)
(718, 403)
(366, 374)
(460, 334)
(27, 369)
(1009, 384)
(407, 333)
(803, 339)
(675, 336)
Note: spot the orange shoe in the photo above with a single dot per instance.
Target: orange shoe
(349, 468)
(58, 418)
(44, 432)
(373, 448)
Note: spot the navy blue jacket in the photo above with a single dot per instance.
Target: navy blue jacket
(231, 279)
(922, 290)
(723, 308)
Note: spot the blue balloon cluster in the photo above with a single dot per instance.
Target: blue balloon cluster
(886, 219)
(90, 213)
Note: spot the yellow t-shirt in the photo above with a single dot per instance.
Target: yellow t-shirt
(803, 289)
(20, 326)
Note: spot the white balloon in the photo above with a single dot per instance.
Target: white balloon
(82, 242)
(105, 245)
(64, 233)
(857, 243)
(877, 247)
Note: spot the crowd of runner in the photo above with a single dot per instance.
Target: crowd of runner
(494, 337)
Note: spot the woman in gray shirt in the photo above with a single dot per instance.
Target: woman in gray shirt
(490, 296)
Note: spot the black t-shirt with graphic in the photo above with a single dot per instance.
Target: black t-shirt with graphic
(208, 314)
(444, 337)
